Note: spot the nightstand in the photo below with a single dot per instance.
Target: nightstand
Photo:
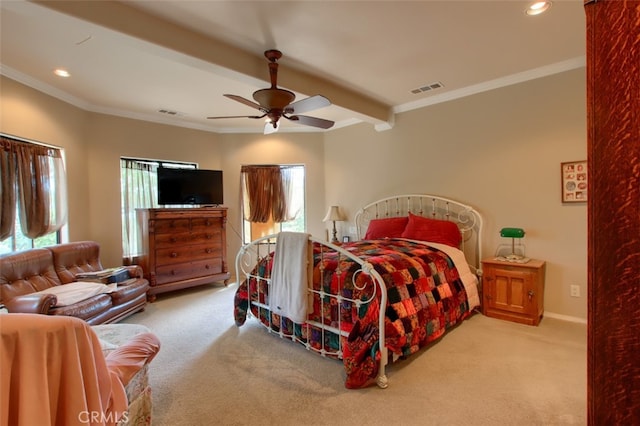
(513, 291)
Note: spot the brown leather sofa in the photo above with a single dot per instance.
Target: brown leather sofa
(24, 273)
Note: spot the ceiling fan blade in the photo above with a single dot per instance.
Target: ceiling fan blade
(238, 116)
(311, 121)
(308, 104)
(244, 101)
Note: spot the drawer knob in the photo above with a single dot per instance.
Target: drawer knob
(207, 266)
(208, 250)
(531, 293)
(174, 254)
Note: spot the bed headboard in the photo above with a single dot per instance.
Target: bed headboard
(466, 217)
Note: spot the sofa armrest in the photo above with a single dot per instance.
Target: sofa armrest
(135, 271)
(31, 303)
(128, 359)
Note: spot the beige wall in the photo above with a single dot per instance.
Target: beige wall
(29, 114)
(113, 137)
(305, 149)
(499, 151)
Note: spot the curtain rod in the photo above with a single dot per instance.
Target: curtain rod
(158, 161)
(21, 139)
(282, 166)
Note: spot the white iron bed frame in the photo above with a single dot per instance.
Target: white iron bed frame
(467, 218)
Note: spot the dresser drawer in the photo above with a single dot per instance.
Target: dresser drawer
(180, 254)
(172, 240)
(183, 271)
(171, 226)
(206, 236)
(205, 223)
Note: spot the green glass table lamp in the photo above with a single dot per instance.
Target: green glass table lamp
(513, 233)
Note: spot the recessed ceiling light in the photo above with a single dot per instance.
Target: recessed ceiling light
(61, 73)
(537, 8)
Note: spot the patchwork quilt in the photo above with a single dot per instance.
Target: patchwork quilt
(425, 297)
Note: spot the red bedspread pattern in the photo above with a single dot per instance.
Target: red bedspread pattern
(424, 291)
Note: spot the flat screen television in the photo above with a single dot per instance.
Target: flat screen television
(189, 186)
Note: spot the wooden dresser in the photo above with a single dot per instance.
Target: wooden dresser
(183, 247)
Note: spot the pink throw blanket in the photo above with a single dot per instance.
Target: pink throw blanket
(53, 372)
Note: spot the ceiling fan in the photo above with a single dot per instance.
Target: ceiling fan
(275, 103)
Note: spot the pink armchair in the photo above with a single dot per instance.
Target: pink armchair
(53, 371)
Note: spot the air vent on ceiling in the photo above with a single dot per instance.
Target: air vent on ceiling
(427, 87)
(169, 112)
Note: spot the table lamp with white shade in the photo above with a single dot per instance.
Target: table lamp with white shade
(334, 215)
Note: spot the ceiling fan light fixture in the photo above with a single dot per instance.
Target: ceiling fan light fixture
(537, 8)
(61, 72)
(270, 126)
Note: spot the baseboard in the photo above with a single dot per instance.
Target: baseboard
(565, 317)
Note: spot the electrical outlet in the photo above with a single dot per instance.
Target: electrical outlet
(575, 291)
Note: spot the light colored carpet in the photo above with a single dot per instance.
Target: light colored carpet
(484, 372)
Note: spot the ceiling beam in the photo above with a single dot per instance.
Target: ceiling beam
(133, 22)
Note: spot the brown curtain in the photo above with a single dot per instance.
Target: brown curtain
(263, 194)
(37, 172)
(7, 188)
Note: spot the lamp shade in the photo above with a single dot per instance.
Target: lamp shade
(334, 214)
(512, 232)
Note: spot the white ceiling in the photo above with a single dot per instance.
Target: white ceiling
(135, 58)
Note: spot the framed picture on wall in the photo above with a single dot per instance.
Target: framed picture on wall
(574, 181)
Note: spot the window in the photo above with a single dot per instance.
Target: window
(33, 202)
(273, 199)
(139, 189)
(17, 241)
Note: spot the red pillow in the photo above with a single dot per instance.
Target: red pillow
(391, 227)
(433, 230)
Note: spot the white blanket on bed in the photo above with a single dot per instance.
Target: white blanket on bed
(288, 294)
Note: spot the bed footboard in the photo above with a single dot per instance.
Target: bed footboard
(334, 297)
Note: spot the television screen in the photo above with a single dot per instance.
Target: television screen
(189, 186)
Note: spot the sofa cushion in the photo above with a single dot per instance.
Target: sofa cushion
(85, 309)
(26, 272)
(119, 334)
(73, 258)
(72, 293)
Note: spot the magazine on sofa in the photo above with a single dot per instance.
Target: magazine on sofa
(105, 276)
